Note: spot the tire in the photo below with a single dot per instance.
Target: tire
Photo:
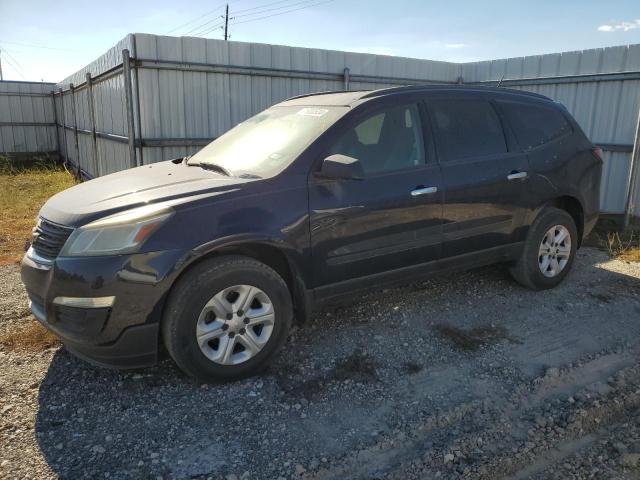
(527, 270)
(211, 287)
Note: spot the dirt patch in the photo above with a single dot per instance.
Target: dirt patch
(359, 367)
(602, 297)
(471, 340)
(30, 337)
(308, 389)
(412, 367)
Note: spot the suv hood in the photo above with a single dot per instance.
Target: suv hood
(160, 182)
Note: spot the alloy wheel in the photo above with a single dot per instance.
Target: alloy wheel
(235, 324)
(555, 251)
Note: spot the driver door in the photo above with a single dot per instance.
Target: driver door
(391, 218)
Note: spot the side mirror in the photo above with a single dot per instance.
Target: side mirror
(342, 167)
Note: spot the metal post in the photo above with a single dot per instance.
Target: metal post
(128, 91)
(136, 72)
(92, 119)
(75, 126)
(226, 23)
(64, 128)
(347, 78)
(633, 173)
(55, 119)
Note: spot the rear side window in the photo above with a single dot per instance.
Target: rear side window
(467, 128)
(534, 125)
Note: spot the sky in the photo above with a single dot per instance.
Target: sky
(45, 40)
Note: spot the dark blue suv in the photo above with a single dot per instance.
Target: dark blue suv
(315, 198)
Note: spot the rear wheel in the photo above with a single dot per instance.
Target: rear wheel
(226, 318)
(549, 250)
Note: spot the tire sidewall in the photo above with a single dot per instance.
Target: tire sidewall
(185, 311)
(548, 219)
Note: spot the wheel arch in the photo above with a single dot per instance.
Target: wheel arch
(267, 251)
(570, 204)
(573, 206)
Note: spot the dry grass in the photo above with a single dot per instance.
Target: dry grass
(23, 190)
(624, 247)
(29, 337)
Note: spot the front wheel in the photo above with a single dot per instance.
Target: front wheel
(549, 250)
(226, 318)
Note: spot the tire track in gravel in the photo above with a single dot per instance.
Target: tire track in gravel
(429, 450)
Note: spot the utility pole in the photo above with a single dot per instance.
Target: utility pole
(226, 22)
(1, 77)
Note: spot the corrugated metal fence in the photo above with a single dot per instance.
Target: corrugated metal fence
(601, 89)
(27, 119)
(151, 98)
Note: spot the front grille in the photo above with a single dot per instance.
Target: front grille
(49, 238)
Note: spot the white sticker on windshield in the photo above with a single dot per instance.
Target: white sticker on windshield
(313, 112)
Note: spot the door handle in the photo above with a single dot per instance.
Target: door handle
(516, 175)
(423, 191)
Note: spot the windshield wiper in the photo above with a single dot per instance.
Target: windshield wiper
(213, 167)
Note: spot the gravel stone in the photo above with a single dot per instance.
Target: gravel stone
(466, 376)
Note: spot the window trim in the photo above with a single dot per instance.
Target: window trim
(440, 150)
(367, 111)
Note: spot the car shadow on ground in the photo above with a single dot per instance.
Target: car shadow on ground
(334, 386)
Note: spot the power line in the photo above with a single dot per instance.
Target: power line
(282, 13)
(261, 6)
(30, 45)
(9, 62)
(272, 9)
(197, 30)
(195, 20)
(208, 28)
(259, 11)
(14, 62)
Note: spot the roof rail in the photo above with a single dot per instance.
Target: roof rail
(409, 88)
(328, 92)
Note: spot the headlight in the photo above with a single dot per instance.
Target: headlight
(120, 233)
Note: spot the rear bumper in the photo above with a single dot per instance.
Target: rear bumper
(589, 225)
(104, 309)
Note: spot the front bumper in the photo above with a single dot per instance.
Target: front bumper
(122, 333)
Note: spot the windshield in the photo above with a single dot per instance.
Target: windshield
(267, 143)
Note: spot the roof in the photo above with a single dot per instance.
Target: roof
(350, 98)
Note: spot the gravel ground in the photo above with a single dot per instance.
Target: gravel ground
(464, 377)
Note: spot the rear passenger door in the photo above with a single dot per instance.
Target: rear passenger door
(483, 173)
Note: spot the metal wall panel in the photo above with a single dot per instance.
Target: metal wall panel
(29, 106)
(606, 110)
(195, 104)
(110, 59)
(196, 89)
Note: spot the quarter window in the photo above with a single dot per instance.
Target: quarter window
(388, 140)
(533, 124)
(467, 128)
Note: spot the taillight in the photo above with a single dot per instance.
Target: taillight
(597, 151)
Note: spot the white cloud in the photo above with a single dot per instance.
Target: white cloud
(455, 45)
(624, 26)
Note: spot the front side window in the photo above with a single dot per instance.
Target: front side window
(534, 124)
(267, 143)
(387, 140)
(467, 128)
